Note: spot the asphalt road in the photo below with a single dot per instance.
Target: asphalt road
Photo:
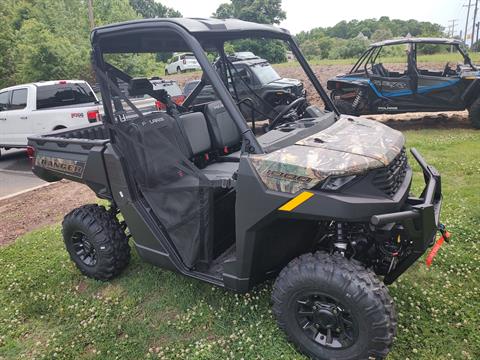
(15, 173)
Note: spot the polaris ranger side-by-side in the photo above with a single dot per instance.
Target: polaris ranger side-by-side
(320, 201)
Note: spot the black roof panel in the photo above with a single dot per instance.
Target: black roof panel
(193, 25)
(157, 35)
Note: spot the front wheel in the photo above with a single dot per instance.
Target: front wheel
(334, 308)
(96, 242)
(345, 107)
(474, 114)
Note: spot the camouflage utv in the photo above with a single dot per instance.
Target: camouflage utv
(321, 202)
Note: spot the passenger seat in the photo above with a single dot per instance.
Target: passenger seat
(226, 138)
(199, 148)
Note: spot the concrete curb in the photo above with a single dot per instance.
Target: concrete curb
(26, 191)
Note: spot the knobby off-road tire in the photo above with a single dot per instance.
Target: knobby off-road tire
(474, 114)
(330, 291)
(345, 107)
(96, 242)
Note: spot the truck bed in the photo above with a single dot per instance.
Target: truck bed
(75, 154)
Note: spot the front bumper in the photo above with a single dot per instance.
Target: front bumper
(421, 218)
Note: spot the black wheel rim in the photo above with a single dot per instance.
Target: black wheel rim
(326, 321)
(84, 249)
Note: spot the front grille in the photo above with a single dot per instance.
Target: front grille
(390, 178)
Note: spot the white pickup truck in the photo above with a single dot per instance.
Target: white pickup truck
(41, 107)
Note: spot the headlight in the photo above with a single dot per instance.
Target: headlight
(335, 183)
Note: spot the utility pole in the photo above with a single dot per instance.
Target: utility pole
(474, 22)
(468, 18)
(478, 39)
(454, 24)
(90, 14)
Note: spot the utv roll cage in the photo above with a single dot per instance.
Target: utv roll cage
(371, 54)
(192, 35)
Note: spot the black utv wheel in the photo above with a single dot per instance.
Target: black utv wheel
(96, 242)
(474, 114)
(334, 308)
(345, 107)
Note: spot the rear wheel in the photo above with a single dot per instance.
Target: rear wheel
(333, 308)
(96, 242)
(474, 114)
(166, 72)
(179, 70)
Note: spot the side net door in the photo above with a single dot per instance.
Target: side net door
(155, 149)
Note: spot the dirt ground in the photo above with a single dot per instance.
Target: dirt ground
(450, 119)
(48, 205)
(40, 207)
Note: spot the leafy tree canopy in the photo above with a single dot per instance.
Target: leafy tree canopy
(50, 39)
(350, 39)
(152, 9)
(260, 11)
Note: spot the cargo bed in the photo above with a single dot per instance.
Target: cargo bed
(75, 154)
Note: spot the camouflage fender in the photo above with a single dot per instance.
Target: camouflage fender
(349, 147)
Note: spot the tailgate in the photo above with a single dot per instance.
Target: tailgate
(81, 160)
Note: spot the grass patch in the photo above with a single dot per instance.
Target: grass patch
(49, 310)
(435, 58)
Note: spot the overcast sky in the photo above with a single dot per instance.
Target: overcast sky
(328, 13)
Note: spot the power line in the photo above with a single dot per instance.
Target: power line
(452, 27)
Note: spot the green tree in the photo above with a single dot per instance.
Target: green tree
(318, 47)
(50, 39)
(271, 50)
(152, 9)
(351, 48)
(381, 34)
(7, 43)
(41, 55)
(259, 11)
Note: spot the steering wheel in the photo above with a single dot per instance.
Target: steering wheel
(280, 118)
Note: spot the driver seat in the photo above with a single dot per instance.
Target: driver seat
(379, 69)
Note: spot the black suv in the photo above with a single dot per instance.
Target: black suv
(256, 86)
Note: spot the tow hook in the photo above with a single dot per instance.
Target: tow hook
(444, 237)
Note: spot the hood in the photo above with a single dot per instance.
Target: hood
(470, 75)
(351, 146)
(284, 82)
